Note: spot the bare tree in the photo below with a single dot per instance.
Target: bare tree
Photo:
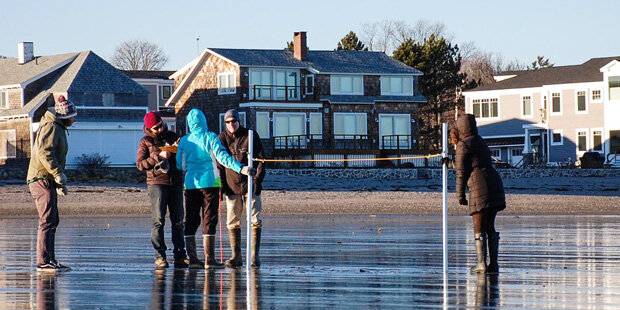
(387, 35)
(139, 55)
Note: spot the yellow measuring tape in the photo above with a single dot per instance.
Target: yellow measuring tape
(347, 159)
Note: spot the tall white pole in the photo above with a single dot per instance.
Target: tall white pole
(248, 249)
(444, 212)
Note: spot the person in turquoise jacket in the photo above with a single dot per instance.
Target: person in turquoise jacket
(196, 155)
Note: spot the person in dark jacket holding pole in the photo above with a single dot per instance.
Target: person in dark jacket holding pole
(47, 180)
(474, 169)
(165, 186)
(235, 187)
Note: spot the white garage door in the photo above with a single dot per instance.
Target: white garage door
(118, 141)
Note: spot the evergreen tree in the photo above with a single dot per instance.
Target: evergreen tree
(289, 45)
(540, 63)
(350, 42)
(440, 62)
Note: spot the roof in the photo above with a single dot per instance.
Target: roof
(150, 74)
(589, 71)
(13, 73)
(371, 99)
(508, 140)
(321, 61)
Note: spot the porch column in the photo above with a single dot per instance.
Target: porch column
(528, 157)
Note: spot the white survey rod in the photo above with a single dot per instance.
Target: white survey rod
(444, 212)
(249, 203)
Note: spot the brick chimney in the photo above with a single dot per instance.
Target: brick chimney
(25, 52)
(300, 49)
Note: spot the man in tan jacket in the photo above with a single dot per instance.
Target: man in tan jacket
(46, 178)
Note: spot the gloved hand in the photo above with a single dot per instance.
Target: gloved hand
(62, 190)
(463, 201)
(246, 170)
(60, 179)
(445, 160)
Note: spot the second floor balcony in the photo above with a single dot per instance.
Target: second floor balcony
(283, 93)
(343, 142)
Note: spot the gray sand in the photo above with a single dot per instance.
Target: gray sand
(308, 195)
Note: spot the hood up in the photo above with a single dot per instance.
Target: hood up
(196, 121)
(466, 126)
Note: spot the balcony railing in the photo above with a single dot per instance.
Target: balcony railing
(396, 142)
(298, 142)
(352, 142)
(281, 93)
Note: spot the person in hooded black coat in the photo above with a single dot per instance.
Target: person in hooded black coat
(475, 171)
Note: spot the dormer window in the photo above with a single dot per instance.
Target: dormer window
(347, 85)
(397, 85)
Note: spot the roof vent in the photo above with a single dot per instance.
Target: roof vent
(25, 52)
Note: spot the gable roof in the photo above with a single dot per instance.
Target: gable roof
(11, 72)
(589, 71)
(359, 62)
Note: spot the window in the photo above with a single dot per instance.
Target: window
(495, 153)
(556, 107)
(395, 131)
(557, 138)
(8, 143)
(4, 99)
(614, 141)
(166, 92)
(397, 85)
(289, 124)
(582, 140)
(614, 88)
(226, 83)
(597, 140)
(262, 86)
(347, 85)
(527, 106)
(316, 125)
(309, 84)
(484, 108)
(516, 152)
(241, 121)
(596, 95)
(349, 125)
(581, 101)
(107, 99)
(262, 124)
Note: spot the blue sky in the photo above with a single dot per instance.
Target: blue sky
(568, 32)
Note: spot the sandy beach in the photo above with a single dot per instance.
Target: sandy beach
(308, 195)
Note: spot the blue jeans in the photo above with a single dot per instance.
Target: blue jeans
(167, 197)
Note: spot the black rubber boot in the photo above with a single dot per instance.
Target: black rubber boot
(256, 232)
(208, 242)
(480, 243)
(235, 260)
(192, 253)
(493, 242)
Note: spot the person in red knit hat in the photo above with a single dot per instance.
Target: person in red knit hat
(165, 186)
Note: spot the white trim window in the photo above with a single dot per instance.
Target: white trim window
(347, 84)
(614, 88)
(107, 99)
(4, 99)
(495, 153)
(581, 102)
(596, 95)
(289, 124)
(262, 124)
(397, 85)
(526, 106)
(395, 131)
(166, 92)
(556, 103)
(310, 84)
(242, 121)
(557, 137)
(350, 125)
(581, 140)
(226, 83)
(8, 143)
(597, 140)
(316, 125)
(270, 84)
(485, 108)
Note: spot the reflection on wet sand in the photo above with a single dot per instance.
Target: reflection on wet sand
(487, 291)
(46, 291)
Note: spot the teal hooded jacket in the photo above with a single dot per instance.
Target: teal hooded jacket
(198, 151)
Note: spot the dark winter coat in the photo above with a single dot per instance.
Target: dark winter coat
(237, 146)
(473, 166)
(148, 156)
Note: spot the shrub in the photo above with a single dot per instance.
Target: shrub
(94, 164)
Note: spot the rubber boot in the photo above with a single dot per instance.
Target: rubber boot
(480, 243)
(493, 241)
(192, 253)
(208, 242)
(235, 247)
(256, 231)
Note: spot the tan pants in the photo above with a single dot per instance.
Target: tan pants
(234, 208)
